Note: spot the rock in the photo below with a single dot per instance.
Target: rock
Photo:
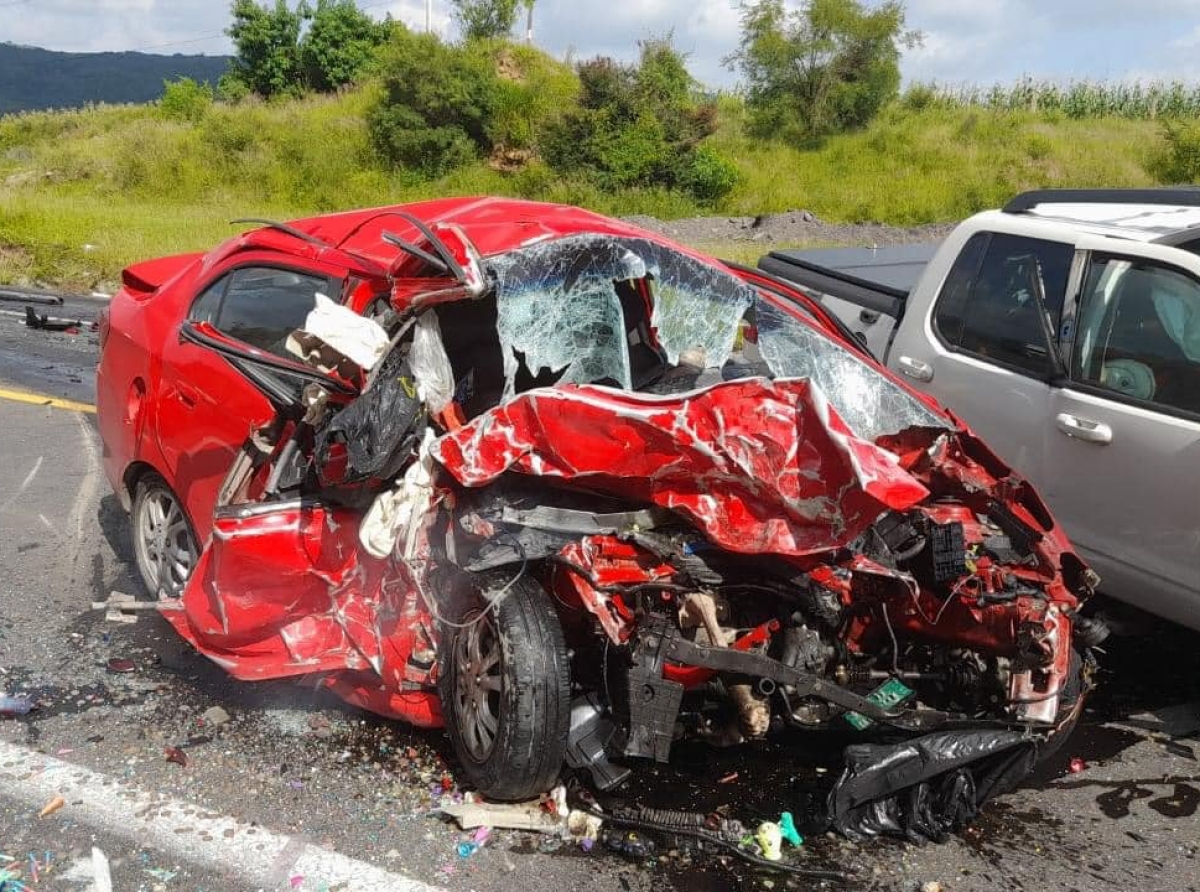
(932, 886)
(215, 716)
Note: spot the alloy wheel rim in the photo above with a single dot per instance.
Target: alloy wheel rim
(166, 543)
(478, 686)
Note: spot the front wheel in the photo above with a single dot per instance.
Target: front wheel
(505, 686)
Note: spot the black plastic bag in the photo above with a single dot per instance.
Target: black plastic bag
(926, 788)
(380, 428)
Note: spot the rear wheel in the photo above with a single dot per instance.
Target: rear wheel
(504, 683)
(163, 541)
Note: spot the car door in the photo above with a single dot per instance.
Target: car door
(1123, 449)
(205, 409)
(984, 349)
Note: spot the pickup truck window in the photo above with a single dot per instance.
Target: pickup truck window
(1139, 333)
(988, 304)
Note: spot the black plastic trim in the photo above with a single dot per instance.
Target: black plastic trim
(1188, 196)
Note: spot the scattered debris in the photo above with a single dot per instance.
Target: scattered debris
(1077, 765)
(44, 322)
(121, 665)
(787, 826)
(215, 716)
(729, 778)
(118, 603)
(52, 806)
(176, 755)
(14, 706)
(770, 840)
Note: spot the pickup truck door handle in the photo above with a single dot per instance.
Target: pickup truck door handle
(1083, 429)
(915, 368)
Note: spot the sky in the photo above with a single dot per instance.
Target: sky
(965, 41)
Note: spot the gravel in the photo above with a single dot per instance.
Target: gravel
(797, 227)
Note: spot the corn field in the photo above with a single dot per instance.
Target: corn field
(1077, 99)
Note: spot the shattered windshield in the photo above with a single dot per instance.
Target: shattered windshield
(572, 309)
(870, 403)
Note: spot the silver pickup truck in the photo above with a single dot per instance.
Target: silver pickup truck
(1065, 329)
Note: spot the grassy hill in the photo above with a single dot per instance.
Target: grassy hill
(85, 192)
(33, 78)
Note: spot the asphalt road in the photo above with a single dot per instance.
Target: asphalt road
(296, 791)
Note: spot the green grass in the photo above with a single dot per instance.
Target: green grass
(84, 193)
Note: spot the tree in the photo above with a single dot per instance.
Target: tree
(829, 67)
(267, 43)
(340, 44)
(483, 19)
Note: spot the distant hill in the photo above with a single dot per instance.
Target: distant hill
(33, 78)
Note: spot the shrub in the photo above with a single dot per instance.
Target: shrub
(532, 89)
(436, 98)
(639, 126)
(1179, 159)
(185, 100)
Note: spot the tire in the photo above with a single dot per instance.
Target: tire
(164, 543)
(505, 687)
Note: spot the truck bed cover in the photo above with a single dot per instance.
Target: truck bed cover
(878, 279)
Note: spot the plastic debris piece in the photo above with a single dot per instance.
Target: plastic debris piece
(52, 806)
(160, 874)
(481, 836)
(296, 881)
(630, 843)
(770, 840)
(729, 778)
(508, 816)
(1077, 765)
(787, 826)
(176, 755)
(467, 849)
(121, 665)
(101, 872)
(587, 844)
(332, 332)
(12, 706)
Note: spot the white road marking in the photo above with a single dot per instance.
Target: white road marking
(183, 830)
(86, 494)
(47, 524)
(37, 466)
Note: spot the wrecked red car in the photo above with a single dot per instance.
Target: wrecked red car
(573, 491)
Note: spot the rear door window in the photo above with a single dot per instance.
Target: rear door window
(1139, 333)
(261, 306)
(988, 306)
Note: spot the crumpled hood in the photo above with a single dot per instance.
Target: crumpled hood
(760, 466)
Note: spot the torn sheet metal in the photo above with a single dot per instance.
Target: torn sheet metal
(284, 590)
(869, 402)
(760, 466)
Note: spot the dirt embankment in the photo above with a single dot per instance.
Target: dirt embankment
(792, 227)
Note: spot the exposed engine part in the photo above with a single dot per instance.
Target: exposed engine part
(699, 609)
(1090, 631)
(588, 739)
(945, 555)
(653, 700)
(754, 713)
(892, 539)
(702, 610)
(668, 819)
(804, 649)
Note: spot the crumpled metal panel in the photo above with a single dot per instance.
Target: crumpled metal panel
(869, 402)
(288, 591)
(760, 466)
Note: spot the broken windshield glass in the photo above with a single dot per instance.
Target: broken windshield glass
(870, 403)
(559, 309)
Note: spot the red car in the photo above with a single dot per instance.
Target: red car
(573, 491)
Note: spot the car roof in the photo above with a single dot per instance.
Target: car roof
(1167, 216)
(494, 225)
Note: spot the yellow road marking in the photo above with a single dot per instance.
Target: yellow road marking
(37, 399)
